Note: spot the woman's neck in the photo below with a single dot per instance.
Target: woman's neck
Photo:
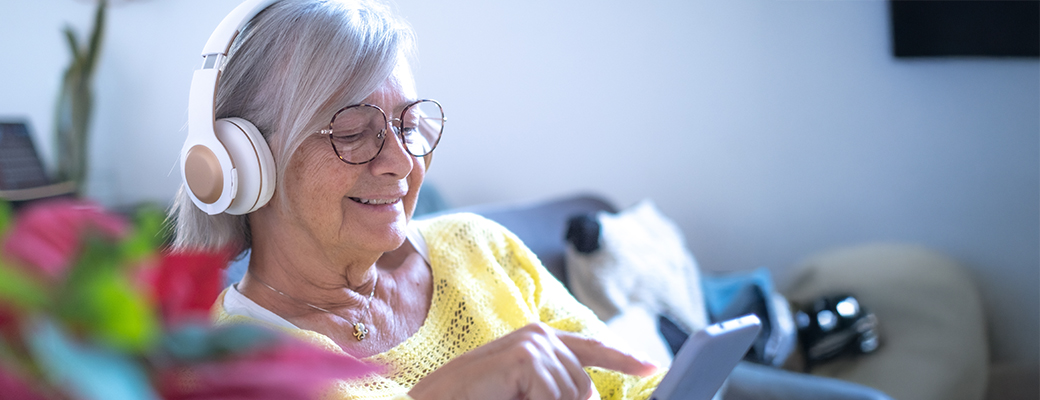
(322, 301)
(306, 281)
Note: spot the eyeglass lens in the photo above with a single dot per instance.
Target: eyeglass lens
(359, 132)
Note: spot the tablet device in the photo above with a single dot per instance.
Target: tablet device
(706, 359)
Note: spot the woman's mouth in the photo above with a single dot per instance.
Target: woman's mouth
(375, 202)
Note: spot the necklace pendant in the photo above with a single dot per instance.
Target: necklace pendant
(360, 331)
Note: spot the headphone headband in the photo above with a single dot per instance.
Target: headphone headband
(220, 40)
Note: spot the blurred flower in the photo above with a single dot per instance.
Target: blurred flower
(94, 308)
(48, 235)
(14, 388)
(92, 372)
(186, 284)
(284, 368)
(99, 298)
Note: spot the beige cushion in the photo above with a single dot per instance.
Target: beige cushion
(932, 326)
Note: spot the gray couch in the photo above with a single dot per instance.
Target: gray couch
(542, 226)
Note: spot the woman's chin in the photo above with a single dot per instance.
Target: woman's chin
(383, 225)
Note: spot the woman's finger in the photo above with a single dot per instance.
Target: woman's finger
(593, 353)
(547, 384)
(557, 369)
(579, 382)
(533, 362)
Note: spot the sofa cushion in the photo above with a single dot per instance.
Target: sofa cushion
(932, 326)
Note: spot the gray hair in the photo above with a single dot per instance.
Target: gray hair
(289, 70)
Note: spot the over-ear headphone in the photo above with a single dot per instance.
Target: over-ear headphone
(226, 164)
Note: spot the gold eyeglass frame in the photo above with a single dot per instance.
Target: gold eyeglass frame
(382, 134)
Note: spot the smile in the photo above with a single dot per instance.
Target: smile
(375, 202)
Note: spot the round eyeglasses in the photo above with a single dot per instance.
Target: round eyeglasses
(357, 133)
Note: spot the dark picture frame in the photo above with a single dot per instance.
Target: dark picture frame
(923, 28)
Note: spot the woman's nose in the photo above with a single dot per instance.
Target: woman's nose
(394, 159)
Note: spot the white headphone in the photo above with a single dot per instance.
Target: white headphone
(226, 164)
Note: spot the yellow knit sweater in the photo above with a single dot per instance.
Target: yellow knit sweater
(486, 285)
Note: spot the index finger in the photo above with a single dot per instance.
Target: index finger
(594, 353)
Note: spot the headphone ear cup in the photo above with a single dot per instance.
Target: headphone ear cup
(253, 163)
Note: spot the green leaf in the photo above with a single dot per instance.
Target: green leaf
(94, 47)
(126, 319)
(73, 42)
(20, 290)
(6, 216)
(100, 299)
(148, 234)
(194, 343)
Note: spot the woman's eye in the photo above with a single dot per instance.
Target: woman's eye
(409, 131)
(348, 137)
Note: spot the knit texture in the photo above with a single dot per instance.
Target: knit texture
(486, 285)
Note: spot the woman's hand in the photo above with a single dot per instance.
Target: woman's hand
(534, 362)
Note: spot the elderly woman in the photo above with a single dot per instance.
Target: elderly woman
(454, 307)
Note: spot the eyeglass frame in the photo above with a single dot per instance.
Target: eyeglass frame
(397, 129)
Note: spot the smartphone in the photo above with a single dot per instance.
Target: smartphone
(706, 359)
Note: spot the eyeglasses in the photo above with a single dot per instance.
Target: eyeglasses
(357, 133)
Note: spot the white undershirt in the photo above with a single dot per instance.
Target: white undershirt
(235, 303)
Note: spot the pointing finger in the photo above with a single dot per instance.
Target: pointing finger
(594, 353)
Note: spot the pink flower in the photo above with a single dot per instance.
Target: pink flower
(287, 369)
(14, 388)
(48, 235)
(9, 320)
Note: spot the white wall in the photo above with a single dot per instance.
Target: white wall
(768, 130)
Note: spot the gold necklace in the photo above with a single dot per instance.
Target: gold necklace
(360, 331)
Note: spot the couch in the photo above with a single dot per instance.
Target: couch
(542, 226)
(933, 330)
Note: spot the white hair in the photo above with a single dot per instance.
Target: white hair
(289, 70)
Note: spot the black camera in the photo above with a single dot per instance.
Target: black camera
(834, 326)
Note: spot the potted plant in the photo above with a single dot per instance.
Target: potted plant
(76, 103)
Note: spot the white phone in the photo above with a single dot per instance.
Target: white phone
(706, 358)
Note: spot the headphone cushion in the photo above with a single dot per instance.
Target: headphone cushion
(253, 161)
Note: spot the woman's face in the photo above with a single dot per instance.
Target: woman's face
(348, 208)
